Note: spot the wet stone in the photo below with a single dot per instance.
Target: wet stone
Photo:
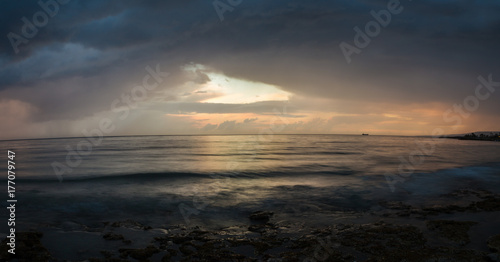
(456, 231)
(261, 216)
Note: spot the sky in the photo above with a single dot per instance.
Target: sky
(70, 68)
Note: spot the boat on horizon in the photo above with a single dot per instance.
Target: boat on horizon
(365, 134)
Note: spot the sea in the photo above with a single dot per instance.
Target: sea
(219, 180)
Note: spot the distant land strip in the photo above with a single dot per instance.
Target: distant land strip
(483, 136)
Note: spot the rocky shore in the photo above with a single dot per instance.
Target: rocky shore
(464, 227)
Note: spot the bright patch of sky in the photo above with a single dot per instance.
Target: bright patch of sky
(237, 91)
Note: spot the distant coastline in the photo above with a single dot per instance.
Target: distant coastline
(482, 136)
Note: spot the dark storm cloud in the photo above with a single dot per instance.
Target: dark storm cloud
(92, 51)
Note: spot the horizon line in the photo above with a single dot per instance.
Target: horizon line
(316, 134)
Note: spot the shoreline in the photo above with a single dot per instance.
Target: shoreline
(462, 227)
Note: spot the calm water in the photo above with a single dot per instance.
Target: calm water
(217, 179)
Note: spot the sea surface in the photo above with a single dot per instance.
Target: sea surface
(219, 180)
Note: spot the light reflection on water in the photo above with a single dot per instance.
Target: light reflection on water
(228, 175)
(299, 154)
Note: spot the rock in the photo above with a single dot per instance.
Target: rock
(139, 254)
(261, 216)
(130, 224)
(394, 205)
(127, 241)
(173, 252)
(456, 231)
(181, 239)
(257, 228)
(494, 243)
(187, 249)
(491, 204)
(113, 236)
(28, 248)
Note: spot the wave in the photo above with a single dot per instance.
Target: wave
(109, 177)
(153, 176)
(490, 170)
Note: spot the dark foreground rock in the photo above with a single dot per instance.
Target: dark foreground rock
(28, 247)
(399, 231)
(494, 243)
(456, 231)
(379, 241)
